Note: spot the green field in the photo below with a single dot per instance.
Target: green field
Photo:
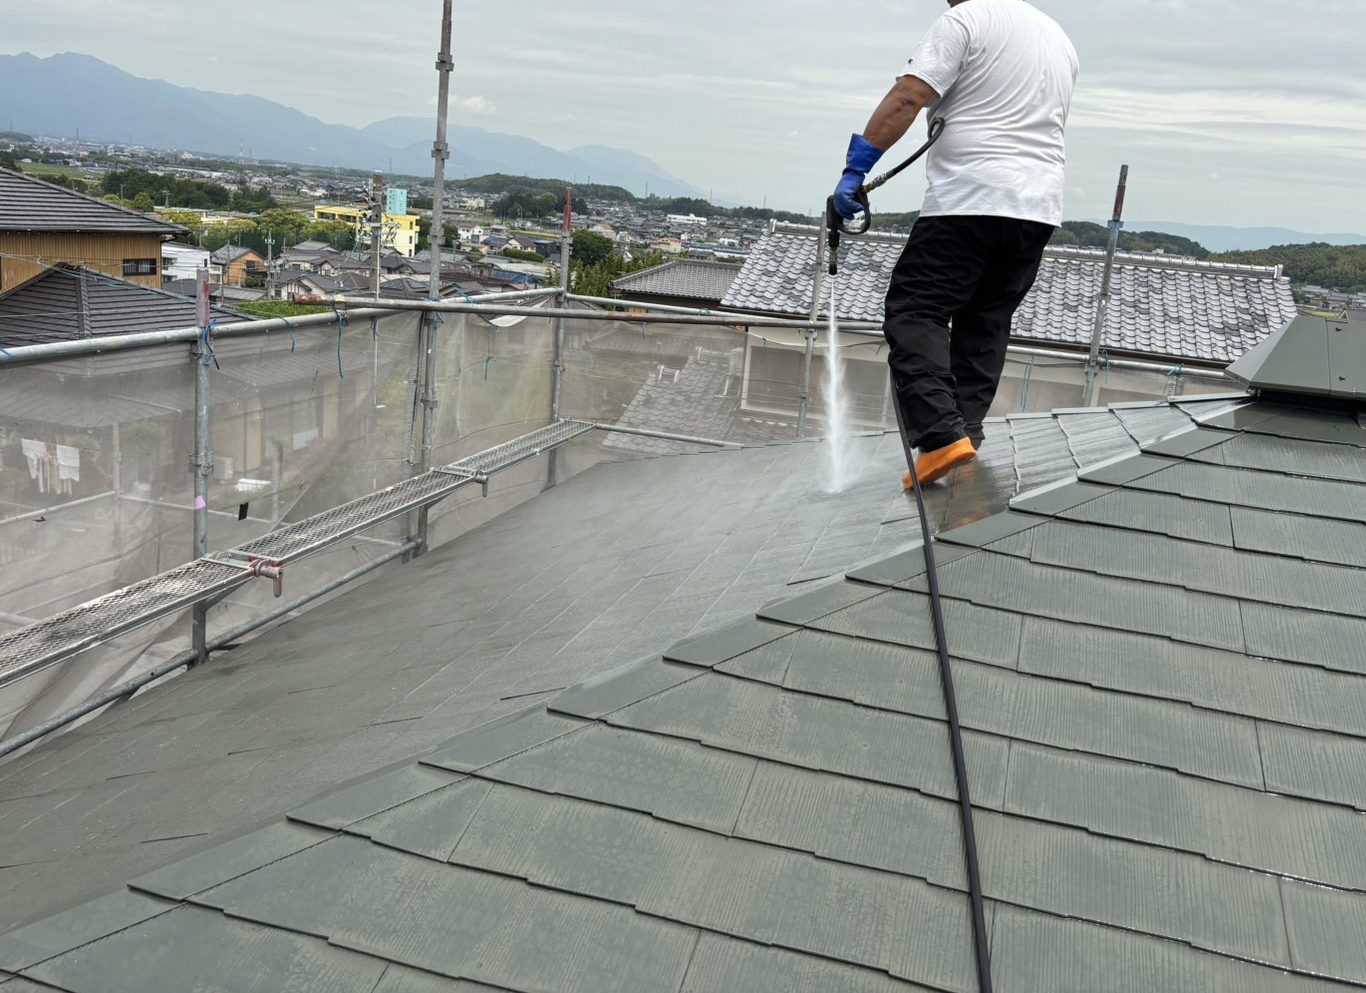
(41, 169)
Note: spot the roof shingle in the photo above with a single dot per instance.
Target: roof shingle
(28, 204)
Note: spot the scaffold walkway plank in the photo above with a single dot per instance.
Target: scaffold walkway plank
(70, 632)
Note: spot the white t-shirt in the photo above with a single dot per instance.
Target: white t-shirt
(1004, 72)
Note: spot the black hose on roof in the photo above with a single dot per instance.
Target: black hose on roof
(960, 769)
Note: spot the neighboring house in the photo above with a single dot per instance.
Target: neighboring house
(42, 224)
(297, 283)
(182, 261)
(234, 265)
(470, 234)
(679, 284)
(400, 230)
(1182, 313)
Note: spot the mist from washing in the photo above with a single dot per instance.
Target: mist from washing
(843, 466)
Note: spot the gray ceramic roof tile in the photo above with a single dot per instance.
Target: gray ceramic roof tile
(1177, 308)
(28, 204)
(682, 278)
(66, 304)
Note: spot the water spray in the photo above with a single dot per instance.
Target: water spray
(835, 227)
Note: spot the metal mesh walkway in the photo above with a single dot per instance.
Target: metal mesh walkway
(40, 645)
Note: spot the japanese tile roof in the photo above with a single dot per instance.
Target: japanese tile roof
(67, 303)
(28, 204)
(1159, 675)
(1161, 306)
(707, 281)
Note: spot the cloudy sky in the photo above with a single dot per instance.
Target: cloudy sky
(1231, 112)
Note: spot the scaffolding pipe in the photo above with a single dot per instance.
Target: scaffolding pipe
(127, 689)
(1103, 301)
(667, 436)
(202, 463)
(722, 316)
(57, 350)
(454, 307)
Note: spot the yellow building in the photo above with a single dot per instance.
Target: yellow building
(400, 230)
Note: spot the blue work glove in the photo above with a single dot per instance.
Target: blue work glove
(863, 155)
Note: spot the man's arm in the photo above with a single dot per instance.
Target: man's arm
(898, 111)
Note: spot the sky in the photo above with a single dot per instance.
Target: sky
(1248, 113)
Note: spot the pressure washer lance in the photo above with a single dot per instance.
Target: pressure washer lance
(836, 226)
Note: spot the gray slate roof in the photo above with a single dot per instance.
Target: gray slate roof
(1173, 308)
(1153, 690)
(703, 281)
(66, 304)
(28, 204)
(1158, 669)
(606, 568)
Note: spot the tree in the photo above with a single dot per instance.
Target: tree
(287, 225)
(143, 202)
(186, 219)
(596, 280)
(591, 248)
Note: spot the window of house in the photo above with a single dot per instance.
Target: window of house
(139, 267)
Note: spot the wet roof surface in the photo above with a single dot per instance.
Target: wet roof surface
(609, 568)
(1159, 671)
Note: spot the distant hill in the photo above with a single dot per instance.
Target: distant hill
(1089, 235)
(1335, 267)
(1229, 239)
(70, 93)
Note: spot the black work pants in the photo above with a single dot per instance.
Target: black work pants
(949, 306)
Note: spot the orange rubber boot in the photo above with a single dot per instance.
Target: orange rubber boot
(933, 465)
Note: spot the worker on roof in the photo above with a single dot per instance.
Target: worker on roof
(1001, 74)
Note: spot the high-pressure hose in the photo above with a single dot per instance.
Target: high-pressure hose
(835, 226)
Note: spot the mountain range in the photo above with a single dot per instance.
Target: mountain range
(71, 94)
(1226, 239)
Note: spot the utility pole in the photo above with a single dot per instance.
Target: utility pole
(270, 264)
(377, 228)
(1103, 301)
(557, 328)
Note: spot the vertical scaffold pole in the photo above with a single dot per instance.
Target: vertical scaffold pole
(427, 343)
(1103, 301)
(201, 463)
(561, 300)
(817, 284)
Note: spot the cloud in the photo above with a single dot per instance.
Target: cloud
(473, 104)
(751, 99)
